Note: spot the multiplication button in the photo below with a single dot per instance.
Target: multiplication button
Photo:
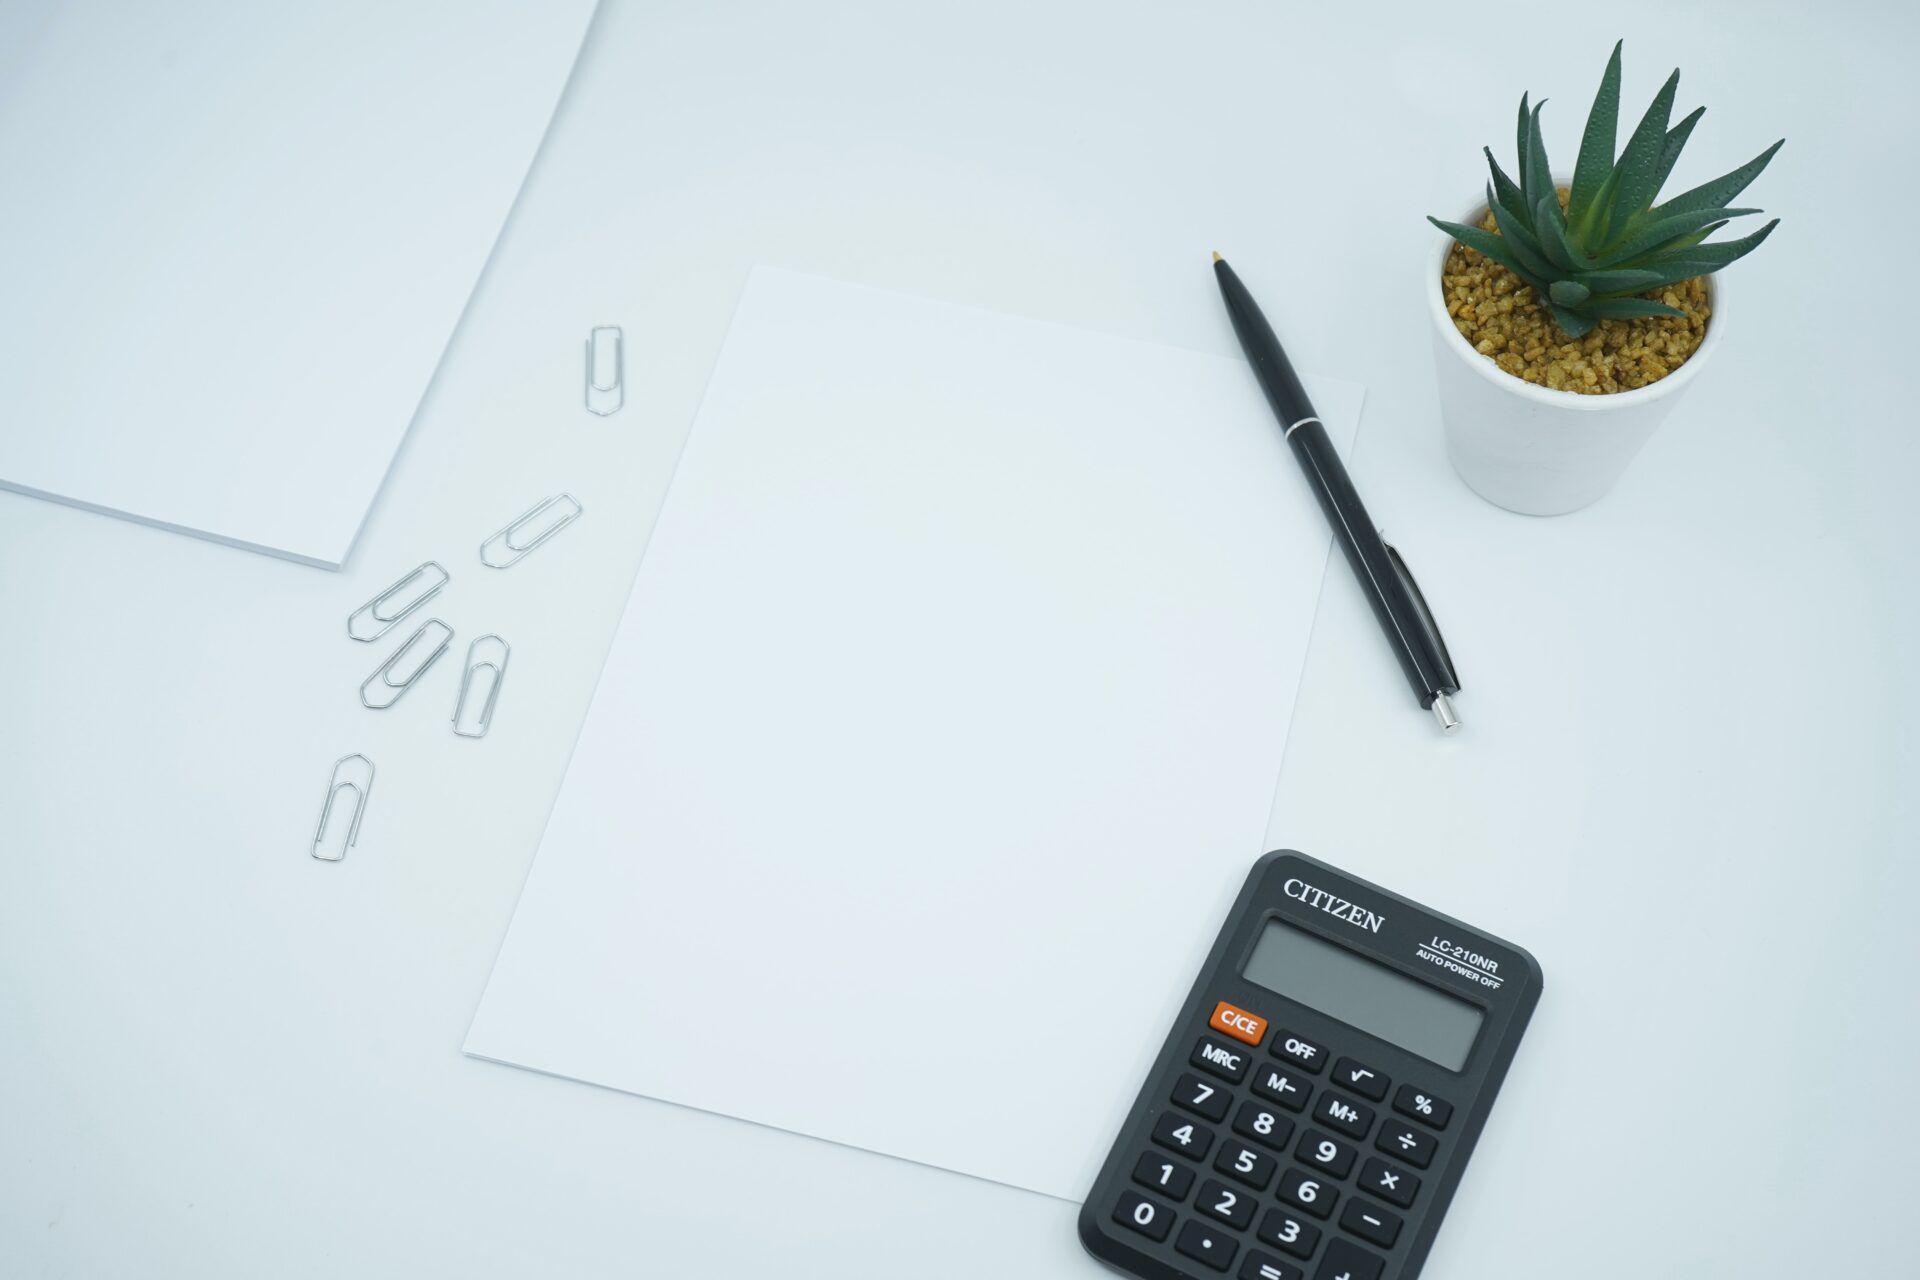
(1395, 1186)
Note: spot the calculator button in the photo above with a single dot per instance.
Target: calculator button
(1422, 1106)
(1238, 1023)
(1360, 1078)
(1348, 1261)
(1395, 1186)
(1299, 1049)
(1280, 1085)
(1408, 1143)
(1307, 1191)
(1263, 1266)
(1263, 1125)
(1140, 1214)
(1201, 1098)
(1229, 1204)
(1288, 1233)
(1349, 1117)
(1163, 1175)
(1370, 1222)
(1243, 1163)
(1329, 1154)
(1206, 1244)
(1183, 1135)
(1221, 1058)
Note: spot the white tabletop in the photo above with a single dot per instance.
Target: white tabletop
(1686, 782)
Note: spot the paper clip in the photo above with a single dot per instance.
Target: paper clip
(569, 510)
(375, 612)
(335, 785)
(384, 674)
(498, 668)
(606, 369)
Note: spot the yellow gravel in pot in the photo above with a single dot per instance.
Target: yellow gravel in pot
(1500, 316)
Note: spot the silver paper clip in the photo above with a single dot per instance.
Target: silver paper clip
(606, 369)
(429, 630)
(378, 616)
(512, 541)
(496, 667)
(335, 785)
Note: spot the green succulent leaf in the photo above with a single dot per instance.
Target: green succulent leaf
(1639, 167)
(1590, 171)
(1711, 195)
(1568, 293)
(1490, 244)
(1537, 176)
(1550, 226)
(1519, 240)
(1505, 189)
(1611, 282)
(1651, 232)
(1575, 323)
(1676, 142)
(1628, 308)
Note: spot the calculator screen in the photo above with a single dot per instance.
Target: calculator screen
(1377, 1000)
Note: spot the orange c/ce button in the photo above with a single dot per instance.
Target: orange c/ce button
(1237, 1023)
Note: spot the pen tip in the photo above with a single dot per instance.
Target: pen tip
(1217, 257)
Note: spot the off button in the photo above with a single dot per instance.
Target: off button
(1237, 1023)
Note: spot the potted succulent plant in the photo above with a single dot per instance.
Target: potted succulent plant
(1569, 318)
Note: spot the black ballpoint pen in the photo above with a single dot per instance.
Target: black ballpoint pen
(1396, 599)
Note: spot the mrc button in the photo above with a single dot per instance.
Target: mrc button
(1237, 1023)
(1221, 1058)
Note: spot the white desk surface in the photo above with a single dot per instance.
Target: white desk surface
(1687, 782)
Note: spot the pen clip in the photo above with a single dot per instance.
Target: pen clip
(1436, 644)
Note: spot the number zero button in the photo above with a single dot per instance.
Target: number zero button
(1140, 1214)
(1237, 1023)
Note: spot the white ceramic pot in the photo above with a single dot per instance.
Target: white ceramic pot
(1532, 449)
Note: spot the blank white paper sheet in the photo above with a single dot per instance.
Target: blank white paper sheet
(941, 729)
(237, 237)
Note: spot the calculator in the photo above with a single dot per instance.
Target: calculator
(1318, 1098)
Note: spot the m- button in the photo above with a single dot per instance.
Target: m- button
(1237, 1023)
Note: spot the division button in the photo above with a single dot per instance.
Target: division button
(1407, 1143)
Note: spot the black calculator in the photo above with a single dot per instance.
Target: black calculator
(1315, 1105)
